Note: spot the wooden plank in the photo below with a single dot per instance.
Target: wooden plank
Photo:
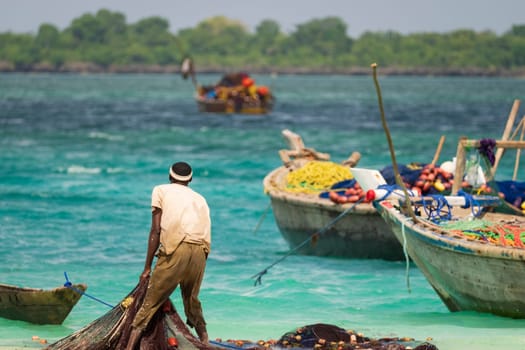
(499, 144)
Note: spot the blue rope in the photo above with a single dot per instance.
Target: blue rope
(389, 190)
(222, 345)
(69, 285)
(470, 202)
(434, 214)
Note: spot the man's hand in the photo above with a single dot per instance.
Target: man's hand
(145, 274)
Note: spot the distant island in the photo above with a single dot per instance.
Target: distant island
(105, 43)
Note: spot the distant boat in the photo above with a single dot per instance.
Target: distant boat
(235, 93)
(360, 233)
(38, 306)
(211, 105)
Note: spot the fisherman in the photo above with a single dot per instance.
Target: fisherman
(181, 227)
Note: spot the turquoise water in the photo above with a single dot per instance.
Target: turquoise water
(81, 153)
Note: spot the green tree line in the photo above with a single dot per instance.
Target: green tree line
(106, 40)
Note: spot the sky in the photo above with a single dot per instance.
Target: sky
(402, 16)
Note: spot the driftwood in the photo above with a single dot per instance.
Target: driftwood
(299, 153)
(297, 150)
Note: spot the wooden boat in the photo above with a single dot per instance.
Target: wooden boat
(466, 274)
(235, 93)
(229, 106)
(38, 305)
(473, 257)
(360, 232)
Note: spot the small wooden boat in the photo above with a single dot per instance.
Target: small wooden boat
(360, 233)
(229, 106)
(38, 305)
(235, 93)
(472, 255)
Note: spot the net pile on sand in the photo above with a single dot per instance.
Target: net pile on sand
(321, 336)
(166, 330)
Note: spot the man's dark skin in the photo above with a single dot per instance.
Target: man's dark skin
(153, 241)
(153, 245)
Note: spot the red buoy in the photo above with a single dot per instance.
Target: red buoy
(172, 341)
(247, 82)
(370, 195)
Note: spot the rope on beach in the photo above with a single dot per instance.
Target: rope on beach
(69, 285)
(224, 345)
(313, 238)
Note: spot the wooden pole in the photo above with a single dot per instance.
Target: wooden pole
(518, 151)
(499, 144)
(438, 150)
(506, 134)
(399, 181)
(518, 128)
(460, 166)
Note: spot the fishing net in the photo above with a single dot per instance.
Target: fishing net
(316, 176)
(165, 331)
(326, 336)
(507, 234)
(308, 336)
(513, 191)
(410, 172)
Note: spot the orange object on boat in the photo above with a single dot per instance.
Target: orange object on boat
(263, 90)
(247, 82)
(172, 341)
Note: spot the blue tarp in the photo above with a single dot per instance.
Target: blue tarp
(514, 191)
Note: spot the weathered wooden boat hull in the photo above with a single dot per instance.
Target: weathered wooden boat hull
(467, 275)
(38, 305)
(361, 233)
(226, 107)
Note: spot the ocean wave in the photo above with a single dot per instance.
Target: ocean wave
(105, 136)
(79, 169)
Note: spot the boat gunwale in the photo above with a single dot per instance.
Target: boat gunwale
(310, 200)
(9, 287)
(446, 240)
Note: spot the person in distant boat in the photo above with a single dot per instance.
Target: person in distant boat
(181, 227)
